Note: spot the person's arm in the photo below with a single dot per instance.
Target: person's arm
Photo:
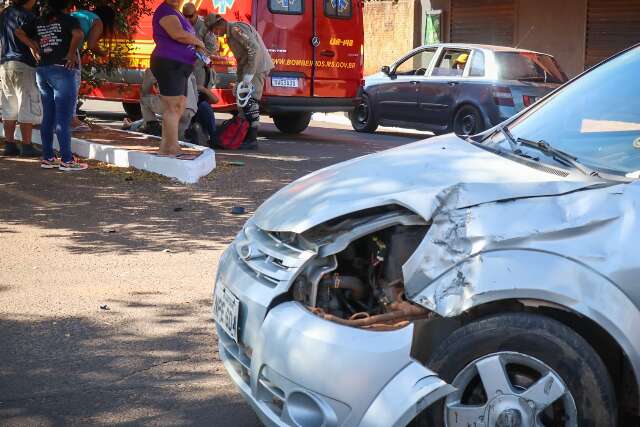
(251, 45)
(171, 24)
(33, 46)
(72, 54)
(94, 37)
(211, 98)
(148, 80)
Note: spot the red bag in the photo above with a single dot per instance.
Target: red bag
(232, 132)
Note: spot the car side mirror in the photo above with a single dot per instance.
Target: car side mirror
(385, 69)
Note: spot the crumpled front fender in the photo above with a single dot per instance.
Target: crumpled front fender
(410, 392)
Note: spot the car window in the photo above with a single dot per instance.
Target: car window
(452, 62)
(337, 8)
(288, 7)
(595, 118)
(529, 66)
(477, 64)
(417, 64)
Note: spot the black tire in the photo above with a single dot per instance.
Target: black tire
(468, 121)
(362, 118)
(539, 337)
(133, 110)
(292, 123)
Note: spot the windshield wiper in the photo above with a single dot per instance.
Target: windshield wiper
(558, 155)
(509, 137)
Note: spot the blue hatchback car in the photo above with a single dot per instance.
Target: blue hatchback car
(461, 88)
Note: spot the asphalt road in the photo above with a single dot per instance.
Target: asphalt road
(106, 279)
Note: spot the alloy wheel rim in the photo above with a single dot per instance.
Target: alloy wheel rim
(362, 113)
(509, 389)
(468, 124)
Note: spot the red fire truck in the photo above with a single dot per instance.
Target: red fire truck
(316, 46)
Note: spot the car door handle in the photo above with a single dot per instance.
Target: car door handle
(414, 82)
(328, 53)
(452, 83)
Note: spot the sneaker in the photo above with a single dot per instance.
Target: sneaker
(73, 166)
(10, 149)
(50, 164)
(28, 150)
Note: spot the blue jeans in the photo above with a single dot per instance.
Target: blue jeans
(57, 87)
(207, 119)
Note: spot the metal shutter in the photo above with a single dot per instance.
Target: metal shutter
(483, 21)
(612, 25)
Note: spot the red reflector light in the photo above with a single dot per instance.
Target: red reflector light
(502, 96)
(528, 100)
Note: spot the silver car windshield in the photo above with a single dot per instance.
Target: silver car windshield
(596, 118)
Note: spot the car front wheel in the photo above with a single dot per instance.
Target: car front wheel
(520, 370)
(362, 117)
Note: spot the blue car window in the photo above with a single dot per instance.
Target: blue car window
(477, 64)
(416, 65)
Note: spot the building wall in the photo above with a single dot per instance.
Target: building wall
(555, 27)
(390, 31)
(560, 33)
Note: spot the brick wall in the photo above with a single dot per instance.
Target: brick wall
(389, 31)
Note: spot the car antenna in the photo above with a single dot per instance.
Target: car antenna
(525, 36)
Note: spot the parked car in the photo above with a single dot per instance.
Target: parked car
(460, 281)
(461, 88)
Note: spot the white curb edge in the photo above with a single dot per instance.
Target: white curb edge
(185, 171)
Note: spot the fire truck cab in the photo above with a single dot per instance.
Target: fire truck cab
(316, 46)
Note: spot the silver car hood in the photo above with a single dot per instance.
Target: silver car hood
(425, 177)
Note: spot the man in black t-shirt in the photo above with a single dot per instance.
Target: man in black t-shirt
(20, 98)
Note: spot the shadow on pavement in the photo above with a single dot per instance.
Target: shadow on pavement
(88, 372)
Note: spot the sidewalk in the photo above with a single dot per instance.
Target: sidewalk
(131, 149)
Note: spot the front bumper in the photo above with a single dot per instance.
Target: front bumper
(296, 369)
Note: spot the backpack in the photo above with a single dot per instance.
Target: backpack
(232, 132)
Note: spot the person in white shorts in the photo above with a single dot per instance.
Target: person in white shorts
(20, 98)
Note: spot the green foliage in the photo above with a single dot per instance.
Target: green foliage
(118, 46)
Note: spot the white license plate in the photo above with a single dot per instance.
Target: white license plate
(225, 310)
(284, 81)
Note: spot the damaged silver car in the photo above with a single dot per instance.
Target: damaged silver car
(486, 281)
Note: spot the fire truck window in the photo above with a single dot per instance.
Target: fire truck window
(337, 8)
(287, 7)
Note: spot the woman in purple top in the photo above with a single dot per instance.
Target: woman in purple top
(171, 64)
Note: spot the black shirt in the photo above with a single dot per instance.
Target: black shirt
(54, 36)
(13, 49)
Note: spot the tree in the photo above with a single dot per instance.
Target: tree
(128, 15)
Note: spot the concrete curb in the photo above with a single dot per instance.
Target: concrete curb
(185, 171)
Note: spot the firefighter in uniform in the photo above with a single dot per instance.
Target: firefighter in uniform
(254, 63)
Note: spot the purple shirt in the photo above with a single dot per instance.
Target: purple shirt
(166, 47)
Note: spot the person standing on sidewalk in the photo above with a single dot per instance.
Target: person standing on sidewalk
(54, 39)
(172, 63)
(254, 63)
(95, 24)
(20, 98)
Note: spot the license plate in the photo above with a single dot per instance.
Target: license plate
(284, 81)
(226, 307)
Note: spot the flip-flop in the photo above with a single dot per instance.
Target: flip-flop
(81, 128)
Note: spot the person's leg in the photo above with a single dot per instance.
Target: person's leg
(64, 94)
(48, 113)
(9, 101)
(30, 109)
(252, 112)
(207, 120)
(172, 106)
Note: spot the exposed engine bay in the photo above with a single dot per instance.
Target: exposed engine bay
(359, 282)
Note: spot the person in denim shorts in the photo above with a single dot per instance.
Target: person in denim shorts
(54, 39)
(20, 98)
